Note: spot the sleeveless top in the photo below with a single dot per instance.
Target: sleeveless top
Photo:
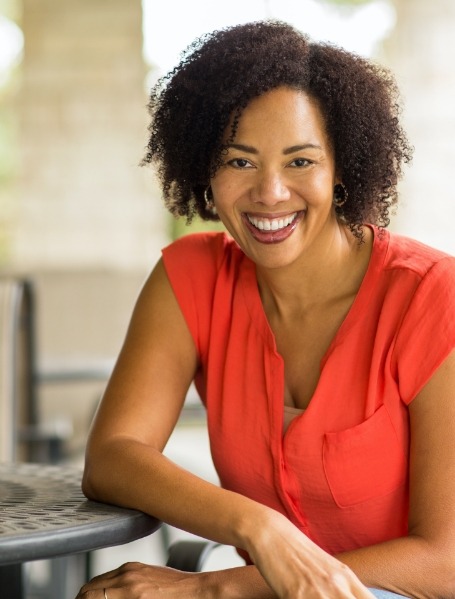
(340, 470)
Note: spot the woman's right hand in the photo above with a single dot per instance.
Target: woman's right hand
(295, 567)
(143, 581)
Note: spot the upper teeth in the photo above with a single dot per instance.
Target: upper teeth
(271, 224)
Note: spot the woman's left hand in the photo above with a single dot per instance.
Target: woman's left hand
(140, 581)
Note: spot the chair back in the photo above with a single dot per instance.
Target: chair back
(17, 404)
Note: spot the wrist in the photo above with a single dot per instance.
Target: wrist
(208, 585)
(247, 524)
(244, 582)
(256, 529)
(196, 585)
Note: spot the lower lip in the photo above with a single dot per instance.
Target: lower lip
(273, 236)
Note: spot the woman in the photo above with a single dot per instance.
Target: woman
(320, 344)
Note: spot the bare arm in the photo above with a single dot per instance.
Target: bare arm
(422, 565)
(125, 466)
(124, 463)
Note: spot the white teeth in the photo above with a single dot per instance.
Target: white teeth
(274, 224)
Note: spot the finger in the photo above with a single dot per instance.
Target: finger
(95, 588)
(354, 585)
(106, 576)
(367, 594)
(361, 592)
(94, 594)
(108, 581)
(97, 581)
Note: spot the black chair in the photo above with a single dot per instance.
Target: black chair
(23, 437)
(189, 556)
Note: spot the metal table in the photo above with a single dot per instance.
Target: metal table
(43, 514)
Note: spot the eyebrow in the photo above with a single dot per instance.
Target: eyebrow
(297, 148)
(286, 151)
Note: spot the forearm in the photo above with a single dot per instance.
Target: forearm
(239, 583)
(132, 474)
(409, 566)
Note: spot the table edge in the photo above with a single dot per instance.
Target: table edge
(80, 539)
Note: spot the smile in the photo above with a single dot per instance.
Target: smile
(268, 230)
(271, 224)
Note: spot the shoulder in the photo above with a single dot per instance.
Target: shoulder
(209, 247)
(416, 258)
(421, 288)
(407, 267)
(421, 276)
(201, 258)
(196, 265)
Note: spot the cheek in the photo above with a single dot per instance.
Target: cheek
(321, 189)
(224, 192)
(218, 185)
(228, 184)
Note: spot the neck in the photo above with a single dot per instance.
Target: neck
(332, 271)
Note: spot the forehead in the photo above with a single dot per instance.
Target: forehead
(280, 112)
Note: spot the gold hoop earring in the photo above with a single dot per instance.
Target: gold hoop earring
(340, 195)
(209, 203)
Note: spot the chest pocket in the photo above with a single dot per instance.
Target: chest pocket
(365, 461)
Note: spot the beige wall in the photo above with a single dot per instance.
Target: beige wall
(89, 223)
(83, 316)
(84, 201)
(420, 52)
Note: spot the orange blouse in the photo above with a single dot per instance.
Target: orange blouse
(340, 470)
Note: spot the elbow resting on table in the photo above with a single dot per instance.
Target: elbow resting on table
(101, 466)
(120, 471)
(88, 485)
(97, 488)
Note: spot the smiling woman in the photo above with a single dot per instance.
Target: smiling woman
(277, 176)
(320, 344)
(199, 108)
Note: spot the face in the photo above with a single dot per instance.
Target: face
(274, 191)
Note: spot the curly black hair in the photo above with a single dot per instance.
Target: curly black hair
(221, 72)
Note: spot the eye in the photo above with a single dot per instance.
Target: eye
(299, 162)
(240, 163)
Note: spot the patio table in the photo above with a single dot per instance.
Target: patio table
(43, 514)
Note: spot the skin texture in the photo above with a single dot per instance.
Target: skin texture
(307, 283)
(281, 163)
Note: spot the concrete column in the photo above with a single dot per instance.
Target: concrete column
(420, 52)
(89, 220)
(84, 200)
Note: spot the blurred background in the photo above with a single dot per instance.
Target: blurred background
(85, 224)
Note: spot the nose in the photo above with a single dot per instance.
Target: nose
(270, 188)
